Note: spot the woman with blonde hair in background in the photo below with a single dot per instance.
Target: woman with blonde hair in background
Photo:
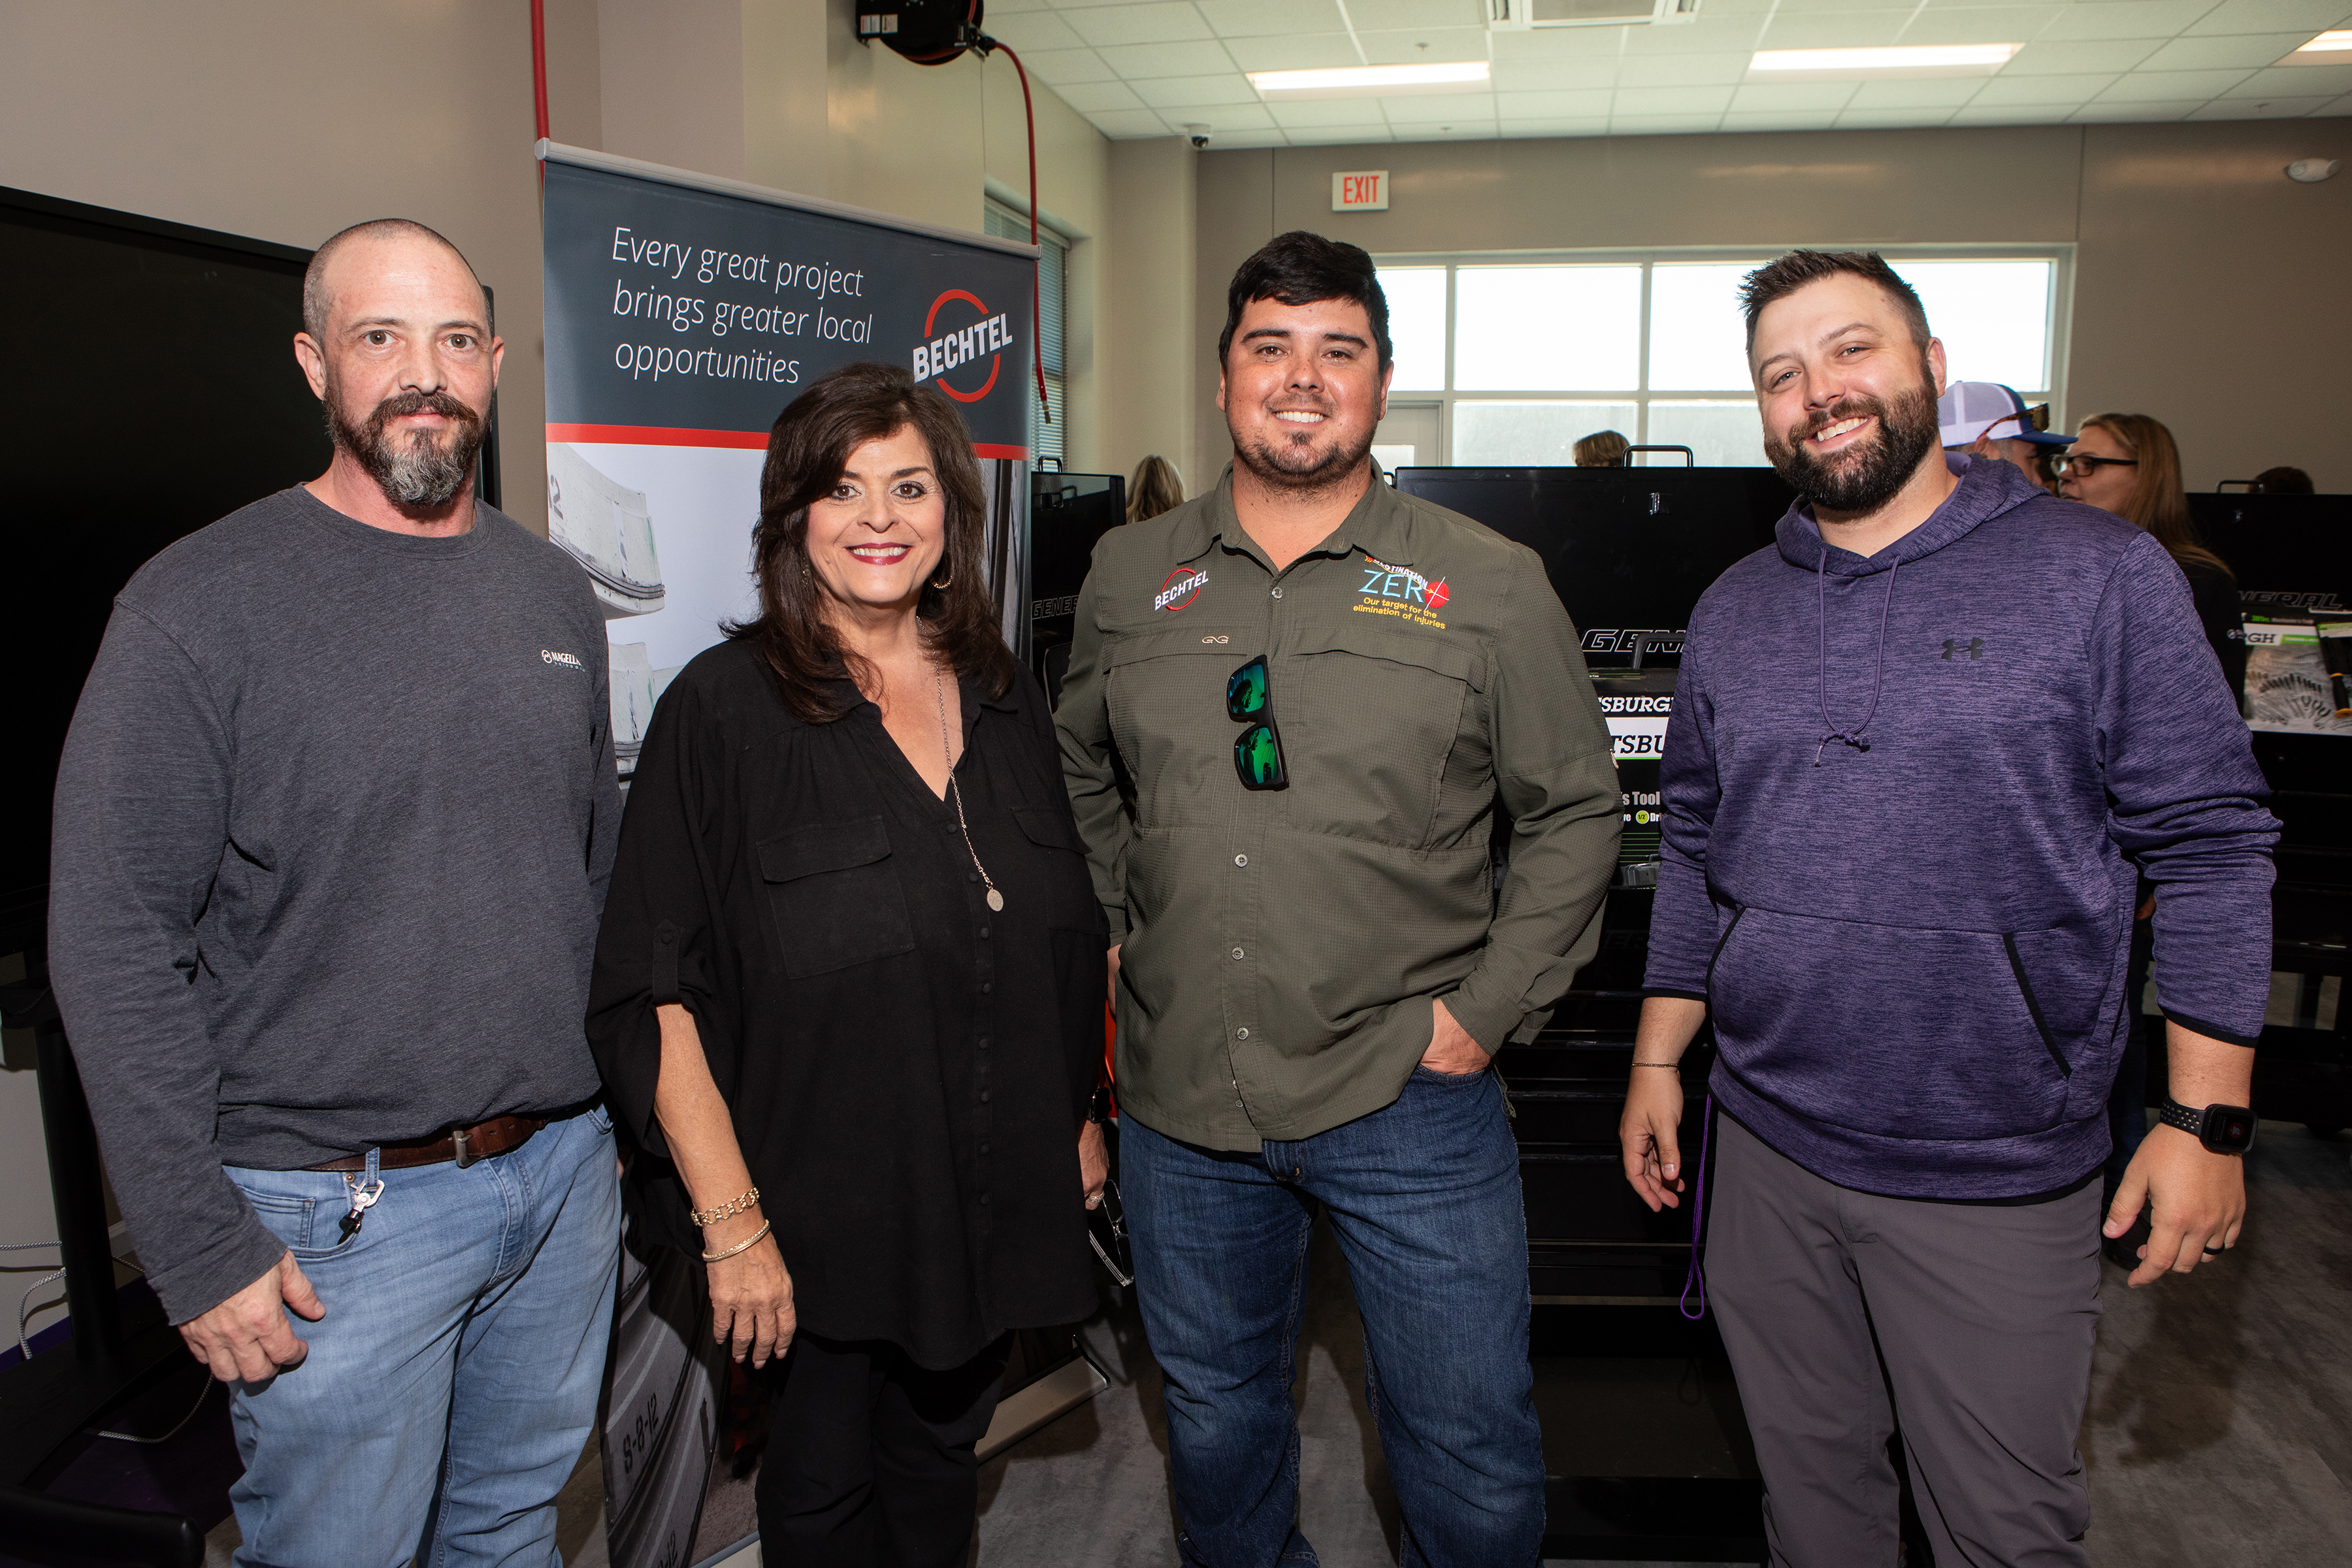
(1602, 449)
(1156, 488)
(2128, 464)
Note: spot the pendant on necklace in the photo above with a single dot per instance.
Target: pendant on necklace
(996, 900)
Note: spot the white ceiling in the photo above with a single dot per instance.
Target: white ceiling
(1147, 69)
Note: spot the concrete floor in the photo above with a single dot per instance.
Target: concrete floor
(2219, 1435)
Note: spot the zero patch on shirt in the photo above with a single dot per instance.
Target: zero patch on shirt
(1184, 585)
(1401, 591)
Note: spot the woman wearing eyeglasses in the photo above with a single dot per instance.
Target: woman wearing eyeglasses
(848, 989)
(2128, 464)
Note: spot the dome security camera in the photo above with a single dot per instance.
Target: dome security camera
(1197, 134)
(2311, 171)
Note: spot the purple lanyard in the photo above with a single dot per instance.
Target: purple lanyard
(1697, 1276)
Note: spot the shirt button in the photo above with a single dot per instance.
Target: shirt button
(972, 875)
(1238, 1033)
(1237, 953)
(983, 1200)
(983, 1097)
(1277, 592)
(983, 1148)
(983, 934)
(986, 986)
(1241, 859)
(983, 1042)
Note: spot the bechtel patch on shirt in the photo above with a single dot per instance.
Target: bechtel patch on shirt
(1183, 586)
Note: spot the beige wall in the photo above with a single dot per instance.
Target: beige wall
(2207, 286)
(1150, 406)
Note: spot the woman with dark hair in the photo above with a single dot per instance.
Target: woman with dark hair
(1156, 488)
(2128, 464)
(848, 991)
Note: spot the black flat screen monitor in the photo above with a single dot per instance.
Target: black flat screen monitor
(1627, 550)
(153, 389)
(1068, 513)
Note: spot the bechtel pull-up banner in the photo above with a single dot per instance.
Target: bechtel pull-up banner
(682, 314)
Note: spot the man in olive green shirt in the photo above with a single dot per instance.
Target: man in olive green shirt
(1294, 708)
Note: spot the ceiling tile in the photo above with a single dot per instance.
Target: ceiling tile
(1436, 109)
(1253, 139)
(1036, 32)
(1386, 16)
(2042, 89)
(2211, 53)
(1834, 30)
(1742, 7)
(1710, 34)
(1661, 124)
(1231, 87)
(1262, 18)
(2012, 114)
(2261, 109)
(2095, 20)
(1893, 119)
(1814, 120)
(1095, 97)
(1134, 61)
(1977, 25)
(1788, 96)
(1527, 128)
(1059, 66)
(1929, 92)
(2148, 112)
(1130, 122)
(1669, 100)
(1588, 104)
(1682, 70)
(1165, 24)
(2341, 105)
(1007, 7)
(1222, 116)
(1309, 112)
(2269, 16)
(1334, 136)
(1788, 6)
(1558, 75)
(2042, 59)
(1426, 47)
(1315, 51)
(2295, 82)
(2156, 87)
(1564, 44)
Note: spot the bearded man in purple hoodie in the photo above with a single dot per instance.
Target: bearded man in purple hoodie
(1921, 749)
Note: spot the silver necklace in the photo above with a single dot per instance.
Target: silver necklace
(939, 691)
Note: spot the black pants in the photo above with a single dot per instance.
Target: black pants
(869, 1460)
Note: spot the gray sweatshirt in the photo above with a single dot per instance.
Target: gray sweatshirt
(333, 825)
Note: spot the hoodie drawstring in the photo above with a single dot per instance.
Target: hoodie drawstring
(1849, 736)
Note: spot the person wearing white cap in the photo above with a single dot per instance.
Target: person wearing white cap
(1986, 419)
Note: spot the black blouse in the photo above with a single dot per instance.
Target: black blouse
(908, 1070)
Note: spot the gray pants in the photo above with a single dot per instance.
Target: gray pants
(1973, 1325)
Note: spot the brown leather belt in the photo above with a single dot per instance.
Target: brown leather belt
(499, 1135)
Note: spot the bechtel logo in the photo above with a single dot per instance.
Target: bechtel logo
(1184, 585)
(985, 339)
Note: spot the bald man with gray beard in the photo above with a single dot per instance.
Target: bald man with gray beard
(332, 830)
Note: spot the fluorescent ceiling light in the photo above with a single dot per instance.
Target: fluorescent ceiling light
(1361, 82)
(1915, 61)
(2317, 51)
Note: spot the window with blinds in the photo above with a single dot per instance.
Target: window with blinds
(1053, 267)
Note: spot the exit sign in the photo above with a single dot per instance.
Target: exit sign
(1365, 191)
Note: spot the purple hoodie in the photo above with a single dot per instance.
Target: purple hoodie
(1906, 799)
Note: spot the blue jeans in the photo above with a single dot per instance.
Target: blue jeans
(453, 1382)
(1424, 1198)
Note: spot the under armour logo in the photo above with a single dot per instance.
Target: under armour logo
(1973, 647)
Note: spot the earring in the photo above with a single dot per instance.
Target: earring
(949, 582)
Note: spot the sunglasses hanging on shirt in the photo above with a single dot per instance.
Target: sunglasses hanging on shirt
(1257, 754)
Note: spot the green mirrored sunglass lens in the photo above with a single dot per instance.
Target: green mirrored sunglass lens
(1245, 693)
(1260, 758)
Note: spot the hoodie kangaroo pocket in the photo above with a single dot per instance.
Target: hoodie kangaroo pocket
(1897, 1031)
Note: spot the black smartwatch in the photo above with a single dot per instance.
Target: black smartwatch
(2223, 1129)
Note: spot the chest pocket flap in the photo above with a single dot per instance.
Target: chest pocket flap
(834, 896)
(1434, 651)
(1161, 642)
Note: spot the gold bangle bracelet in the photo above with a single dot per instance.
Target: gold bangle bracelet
(744, 1246)
(729, 1210)
(1657, 1064)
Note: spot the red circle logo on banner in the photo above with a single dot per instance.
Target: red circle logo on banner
(995, 362)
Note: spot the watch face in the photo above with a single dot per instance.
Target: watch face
(2229, 1129)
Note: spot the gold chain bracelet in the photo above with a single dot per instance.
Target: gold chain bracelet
(704, 1217)
(744, 1246)
(1657, 1064)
